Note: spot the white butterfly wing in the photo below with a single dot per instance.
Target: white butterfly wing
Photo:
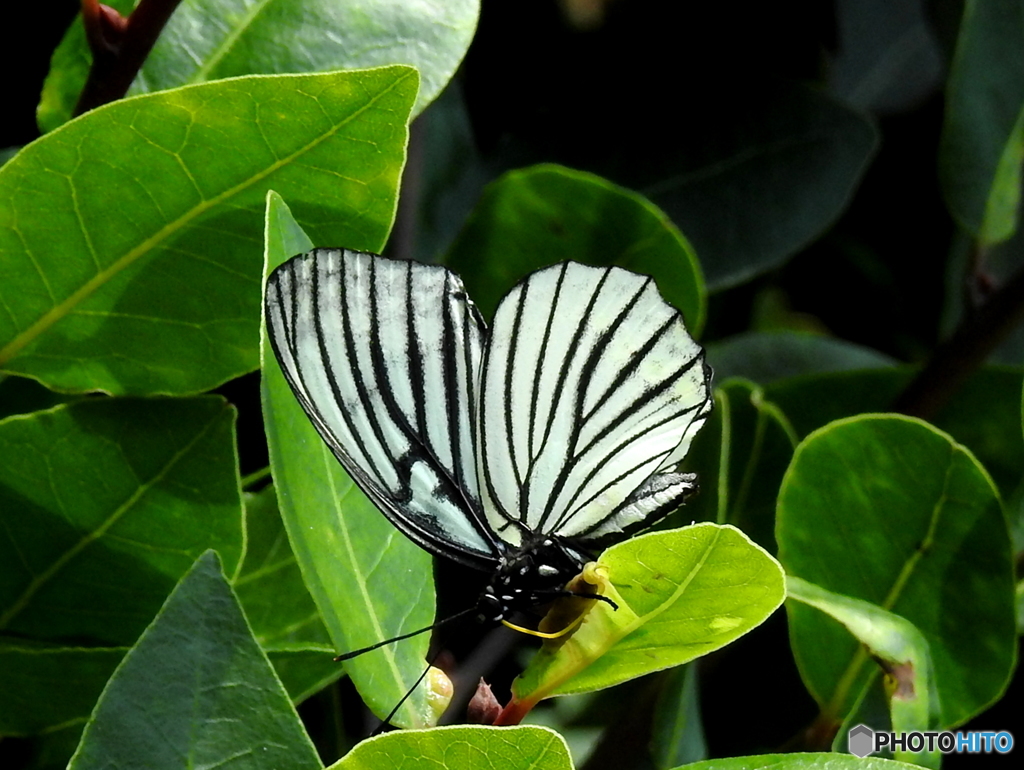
(383, 356)
(590, 384)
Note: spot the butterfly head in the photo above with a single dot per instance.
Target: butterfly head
(529, 576)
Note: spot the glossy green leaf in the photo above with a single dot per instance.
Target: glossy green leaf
(462, 748)
(129, 238)
(890, 510)
(213, 39)
(368, 580)
(42, 687)
(753, 186)
(799, 761)
(104, 504)
(899, 648)
(982, 146)
(740, 457)
(196, 687)
(680, 593)
(545, 214)
(766, 357)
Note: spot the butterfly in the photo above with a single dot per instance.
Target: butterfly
(519, 450)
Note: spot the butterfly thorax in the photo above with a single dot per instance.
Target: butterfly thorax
(533, 574)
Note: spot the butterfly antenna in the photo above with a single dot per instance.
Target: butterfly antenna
(387, 720)
(355, 653)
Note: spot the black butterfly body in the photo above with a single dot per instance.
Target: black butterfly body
(519, 451)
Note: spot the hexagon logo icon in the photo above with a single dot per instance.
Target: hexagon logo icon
(861, 741)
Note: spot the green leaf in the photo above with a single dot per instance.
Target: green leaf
(814, 400)
(196, 687)
(680, 594)
(53, 749)
(451, 175)
(545, 214)
(885, 58)
(20, 395)
(766, 357)
(982, 145)
(7, 153)
(104, 504)
(368, 580)
(890, 510)
(128, 237)
(305, 672)
(283, 616)
(975, 416)
(462, 748)
(752, 187)
(213, 39)
(807, 761)
(69, 67)
(43, 687)
(741, 456)
(269, 585)
(897, 646)
(677, 734)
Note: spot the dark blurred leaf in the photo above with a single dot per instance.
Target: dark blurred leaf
(888, 59)
(546, 214)
(765, 357)
(53, 749)
(983, 135)
(677, 736)
(444, 178)
(752, 440)
(752, 187)
(981, 415)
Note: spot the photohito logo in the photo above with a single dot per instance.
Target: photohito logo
(862, 741)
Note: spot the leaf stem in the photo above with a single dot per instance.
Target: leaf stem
(119, 46)
(965, 351)
(255, 477)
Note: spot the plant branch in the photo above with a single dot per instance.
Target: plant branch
(119, 46)
(964, 352)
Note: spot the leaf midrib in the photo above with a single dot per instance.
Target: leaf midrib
(89, 538)
(62, 309)
(331, 468)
